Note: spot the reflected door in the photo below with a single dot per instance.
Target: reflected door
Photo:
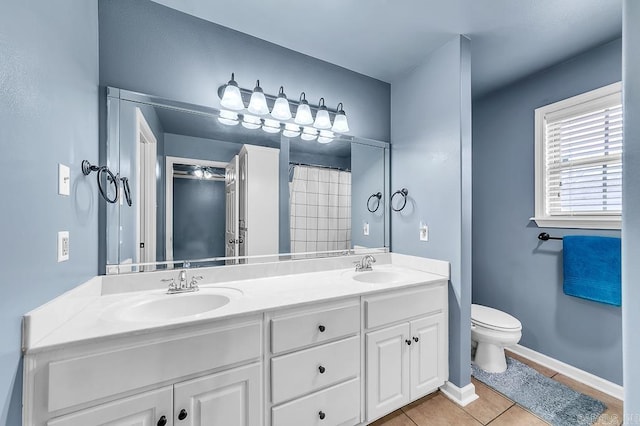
(232, 201)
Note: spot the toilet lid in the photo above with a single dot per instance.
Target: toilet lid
(493, 318)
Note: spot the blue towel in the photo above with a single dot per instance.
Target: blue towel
(592, 268)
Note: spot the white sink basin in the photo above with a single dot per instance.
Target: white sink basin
(377, 277)
(158, 307)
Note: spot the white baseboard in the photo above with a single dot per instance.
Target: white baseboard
(570, 371)
(461, 396)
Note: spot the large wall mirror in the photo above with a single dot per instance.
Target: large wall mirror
(206, 191)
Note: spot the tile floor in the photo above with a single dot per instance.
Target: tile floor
(491, 407)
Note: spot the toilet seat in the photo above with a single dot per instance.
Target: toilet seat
(493, 319)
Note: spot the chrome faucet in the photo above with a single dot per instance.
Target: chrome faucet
(182, 286)
(365, 263)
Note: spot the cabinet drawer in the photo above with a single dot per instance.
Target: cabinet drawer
(305, 371)
(315, 326)
(398, 306)
(338, 405)
(84, 379)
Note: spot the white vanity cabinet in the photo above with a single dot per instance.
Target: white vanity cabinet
(202, 375)
(407, 347)
(315, 365)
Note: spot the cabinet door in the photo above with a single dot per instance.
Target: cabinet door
(429, 363)
(229, 398)
(146, 409)
(387, 370)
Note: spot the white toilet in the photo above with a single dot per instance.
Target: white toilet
(491, 331)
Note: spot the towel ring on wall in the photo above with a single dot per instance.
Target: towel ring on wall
(404, 192)
(87, 168)
(543, 236)
(377, 196)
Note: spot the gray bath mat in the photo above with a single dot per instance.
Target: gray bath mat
(548, 399)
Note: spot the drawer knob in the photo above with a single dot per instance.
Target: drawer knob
(322, 328)
(321, 415)
(408, 342)
(321, 369)
(162, 421)
(416, 339)
(182, 415)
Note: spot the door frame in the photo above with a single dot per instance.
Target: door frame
(169, 162)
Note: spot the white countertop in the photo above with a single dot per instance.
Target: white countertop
(86, 314)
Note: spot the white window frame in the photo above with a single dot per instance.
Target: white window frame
(542, 219)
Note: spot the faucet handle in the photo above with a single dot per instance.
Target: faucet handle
(194, 281)
(171, 281)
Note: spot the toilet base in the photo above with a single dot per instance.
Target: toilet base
(490, 358)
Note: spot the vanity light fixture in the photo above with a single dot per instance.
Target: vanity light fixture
(323, 121)
(303, 113)
(340, 124)
(251, 122)
(326, 136)
(228, 118)
(281, 109)
(291, 130)
(309, 134)
(271, 126)
(232, 98)
(258, 102)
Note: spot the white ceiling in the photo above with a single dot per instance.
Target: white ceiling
(385, 38)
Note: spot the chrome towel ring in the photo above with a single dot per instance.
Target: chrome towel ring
(377, 196)
(404, 192)
(87, 168)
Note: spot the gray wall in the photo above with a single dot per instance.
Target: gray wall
(48, 115)
(149, 48)
(367, 177)
(431, 157)
(512, 270)
(631, 209)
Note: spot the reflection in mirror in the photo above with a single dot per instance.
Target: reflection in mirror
(209, 193)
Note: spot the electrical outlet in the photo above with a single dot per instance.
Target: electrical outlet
(365, 228)
(64, 180)
(424, 232)
(63, 246)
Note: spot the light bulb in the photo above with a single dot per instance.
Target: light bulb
(208, 174)
(340, 124)
(291, 130)
(251, 122)
(198, 173)
(258, 103)
(322, 117)
(309, 134)
(281, 110)
(303, 113)
(228, 118)
(232, 98)
(326, 136)
(271, 126)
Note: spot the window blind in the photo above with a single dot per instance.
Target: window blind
(583, 159)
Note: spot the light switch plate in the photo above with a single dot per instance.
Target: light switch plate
(63, 246)
(64, 180)
(424, 232)
(365, 228)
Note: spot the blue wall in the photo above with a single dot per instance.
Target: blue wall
(631, 209)
(48, 115)
(431, 157)
(367, 178)
(512, 270)
(150, 48)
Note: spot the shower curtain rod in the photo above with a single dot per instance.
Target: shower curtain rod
(320, 166)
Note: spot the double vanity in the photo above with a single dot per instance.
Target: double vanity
(292, 343)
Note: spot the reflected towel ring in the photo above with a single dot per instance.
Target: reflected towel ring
(377, 196)
(404, 192)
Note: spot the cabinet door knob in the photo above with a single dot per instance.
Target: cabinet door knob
(162, 421)
(322, 328)
(408, 342)
(182, 415)
(321, 415)
(416, 339)
(321, 369)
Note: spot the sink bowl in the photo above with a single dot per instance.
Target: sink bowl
(167, 307)
(377, 277)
